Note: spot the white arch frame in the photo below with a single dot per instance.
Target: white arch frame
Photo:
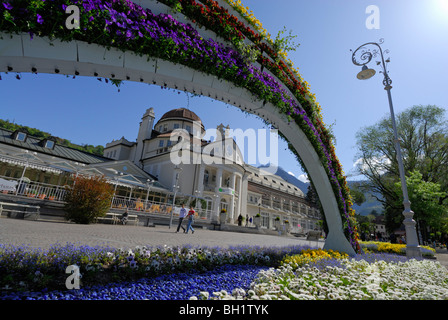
(20, 54)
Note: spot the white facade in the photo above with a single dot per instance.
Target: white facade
(214, 172)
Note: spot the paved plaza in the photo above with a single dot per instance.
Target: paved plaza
(44, 234)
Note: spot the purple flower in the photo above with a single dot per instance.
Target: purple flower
(40, 20)
(7, 5)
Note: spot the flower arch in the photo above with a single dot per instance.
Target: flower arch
(202, 46)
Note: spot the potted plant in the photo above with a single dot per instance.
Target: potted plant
(287, 226)
(223, 216)
(257, 220)
(277, 223)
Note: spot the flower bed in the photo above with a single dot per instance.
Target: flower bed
(173, 273)
(366, 277)
(177, 286)
(27, 269)
(396, 248)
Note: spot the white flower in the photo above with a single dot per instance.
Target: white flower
(238, 292)
(204, 295)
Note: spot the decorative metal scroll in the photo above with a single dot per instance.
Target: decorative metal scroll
(366, 52)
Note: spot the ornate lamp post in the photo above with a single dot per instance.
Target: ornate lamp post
(361, 57)
(176, 187)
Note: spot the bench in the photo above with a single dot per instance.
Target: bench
(112, 217)
(115, 218)
(131, 217)
(14, 213)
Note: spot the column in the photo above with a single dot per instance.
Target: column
(243, 193)
(200, 186)
(217, 193)
(232, 199)
(240, 211)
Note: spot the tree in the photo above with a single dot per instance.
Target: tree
(312, 197)
(425, 197)
(88, 199)
(423, 134)
(357, 194)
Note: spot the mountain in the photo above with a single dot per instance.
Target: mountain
(370, 204)
(291, 179)
(364, 209)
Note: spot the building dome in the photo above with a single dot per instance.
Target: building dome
(181, 113)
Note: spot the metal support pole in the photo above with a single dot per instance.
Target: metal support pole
(412, 245)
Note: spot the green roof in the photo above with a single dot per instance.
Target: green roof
(35, 144)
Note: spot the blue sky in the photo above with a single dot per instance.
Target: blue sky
(85, 110)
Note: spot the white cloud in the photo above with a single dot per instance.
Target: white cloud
(303, 178)
(289, 172)
(379, 163)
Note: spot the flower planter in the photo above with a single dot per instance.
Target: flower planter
(222, 217)
(96, 54)
(257, 222)
(277, 225)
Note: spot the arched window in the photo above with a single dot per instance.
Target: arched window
(224, 204)
(209, 202)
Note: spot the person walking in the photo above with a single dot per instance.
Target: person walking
(240, 219)
(182, 215)
(190, 217)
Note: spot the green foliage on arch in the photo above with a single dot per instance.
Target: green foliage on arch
(124, 25)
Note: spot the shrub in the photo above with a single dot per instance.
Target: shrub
(88, 199)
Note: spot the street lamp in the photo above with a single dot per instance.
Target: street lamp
(361, 57)
(177, 170)
(148, 189)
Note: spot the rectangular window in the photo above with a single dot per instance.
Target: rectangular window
(161, 144)
(21, 136)
(49, 144)
(176, 126)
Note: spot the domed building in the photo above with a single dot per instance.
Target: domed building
(211, 174)
(173, 160)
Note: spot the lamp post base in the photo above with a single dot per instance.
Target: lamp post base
(412, 246)
(413, 252)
